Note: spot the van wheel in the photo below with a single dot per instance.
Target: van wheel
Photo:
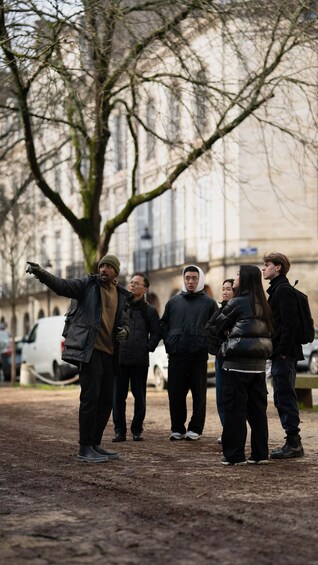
(57, 372)
(160, 382)
(313, 363)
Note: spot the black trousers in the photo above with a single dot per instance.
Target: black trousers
(137, 376)
(244, 399)
(285, 399)
(186, 375)
(96, 399)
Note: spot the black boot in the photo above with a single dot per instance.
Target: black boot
(88, 454)
(101, 451)
(292, 448)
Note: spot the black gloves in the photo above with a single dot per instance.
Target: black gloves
(34, 269)
(121, 334)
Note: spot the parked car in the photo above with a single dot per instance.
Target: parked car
(43, 349)
(158, 368)
(4, 339)
(6, 358)
(310, 351)
(4, 342)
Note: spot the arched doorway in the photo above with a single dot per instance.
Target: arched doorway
(26, 323)
(153, 299)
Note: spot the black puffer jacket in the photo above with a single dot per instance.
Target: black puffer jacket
(214, 340)
(183, 323)
(248, 344)
(145, 334)
(80, 336)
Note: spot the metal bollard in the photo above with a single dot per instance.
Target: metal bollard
(27, 375)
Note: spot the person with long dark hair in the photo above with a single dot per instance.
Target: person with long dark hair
(246, 323)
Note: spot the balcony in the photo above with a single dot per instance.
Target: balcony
(76, 270)
(171, 255)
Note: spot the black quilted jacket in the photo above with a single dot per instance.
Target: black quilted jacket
(248, 343)
(145, 334)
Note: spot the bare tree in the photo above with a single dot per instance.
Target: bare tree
(16, 236)
(75, 69)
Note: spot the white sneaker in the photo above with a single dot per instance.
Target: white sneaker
(175, 436)
(259, 462)
(192, 435)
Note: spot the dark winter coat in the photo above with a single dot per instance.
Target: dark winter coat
(183, 323)
(283, 303)
(214, 340)
(248, 344)
(145, 334)
(81, 333)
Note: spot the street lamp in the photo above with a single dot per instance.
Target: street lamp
(48, 292)
(146, 238)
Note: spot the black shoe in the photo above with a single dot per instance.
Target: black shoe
(225, 461)
(138, 437)
(118, 438)
(110, 454)
(293, 448)
(88, 454)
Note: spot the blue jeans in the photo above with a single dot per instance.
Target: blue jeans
(285, 399)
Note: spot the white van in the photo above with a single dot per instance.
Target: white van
(44, 346)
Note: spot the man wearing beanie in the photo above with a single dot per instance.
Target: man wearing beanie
(96, 322)
(183, 324)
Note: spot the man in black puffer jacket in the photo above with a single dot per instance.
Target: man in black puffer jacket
(145, 334)
(183, 325)
(93, 329)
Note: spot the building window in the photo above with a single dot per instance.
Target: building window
(174, 115)
(57, 177)
(201, 99)
(42, 200)
(43, 251)
(58, 254)
(119, 142)
(150, 123)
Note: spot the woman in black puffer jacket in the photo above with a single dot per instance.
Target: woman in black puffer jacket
(246, 323)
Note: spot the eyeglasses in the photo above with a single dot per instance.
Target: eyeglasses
(133, 283)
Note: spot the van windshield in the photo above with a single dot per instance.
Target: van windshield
(32, 336)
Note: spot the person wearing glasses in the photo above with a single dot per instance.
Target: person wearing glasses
(183, 324)
(145, 334)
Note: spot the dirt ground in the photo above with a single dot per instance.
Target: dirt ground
(161, 502)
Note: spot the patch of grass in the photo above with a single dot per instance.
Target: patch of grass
(302, 407)
(44, 386)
